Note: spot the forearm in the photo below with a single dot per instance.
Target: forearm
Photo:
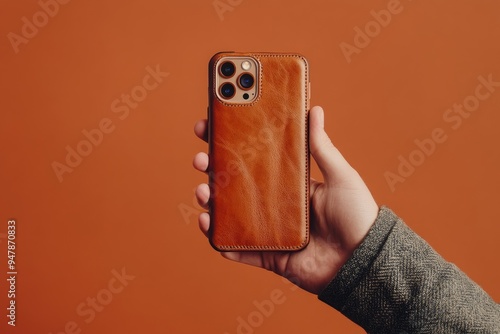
(395, 283)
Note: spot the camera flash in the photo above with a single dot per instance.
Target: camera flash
(246, 65)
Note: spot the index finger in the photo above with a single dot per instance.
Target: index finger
(201, 129)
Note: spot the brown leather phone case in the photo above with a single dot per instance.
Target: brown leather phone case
(259, 159)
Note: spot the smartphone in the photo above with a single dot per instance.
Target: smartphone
(258, 151)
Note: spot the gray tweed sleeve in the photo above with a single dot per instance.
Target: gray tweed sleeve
(396, 283)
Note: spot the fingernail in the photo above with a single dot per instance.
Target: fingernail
(322, 118)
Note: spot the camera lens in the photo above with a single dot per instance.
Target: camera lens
(227, 69)
(227, 90)
(246, 81)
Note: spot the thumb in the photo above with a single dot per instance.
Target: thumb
(330, 161)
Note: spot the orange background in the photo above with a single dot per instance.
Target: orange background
(122, 206)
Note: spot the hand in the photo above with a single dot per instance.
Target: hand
(342, 212)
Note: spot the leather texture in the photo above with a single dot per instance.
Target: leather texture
(259, 159)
